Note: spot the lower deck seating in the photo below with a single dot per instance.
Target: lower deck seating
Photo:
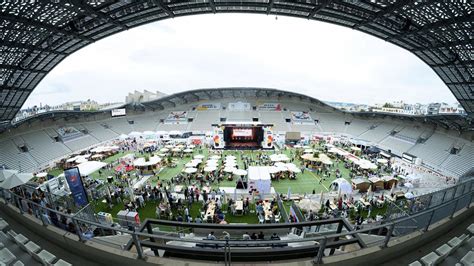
(17, 250)
(457, 251)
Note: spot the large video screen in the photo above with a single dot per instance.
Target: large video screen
(242, 132)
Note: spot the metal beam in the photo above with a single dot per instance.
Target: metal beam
(213, 6)
(11, 44)
(388, 10)
(164, 7)
(19, 68)
(49, 27)
(270, 6)
(456, 63)
(440, 23)
(441, 45)
(319, 8)
(88, 10)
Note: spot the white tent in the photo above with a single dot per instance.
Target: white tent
(190, 170)
(15, 180)
(213, 157)
(140, 162)
(259, 178)
(240, 172)
(90, 167)
(188, 150)
(210, 169)
(342, 186)
(5, 174)
(199, 156)
(135, 134)
(229, 169)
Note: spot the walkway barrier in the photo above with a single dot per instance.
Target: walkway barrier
(301, 240)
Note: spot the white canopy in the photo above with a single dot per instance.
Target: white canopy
(354, 148)
(149, 133)
(240, 172)
(188, 150)
(6, 173)
(273, 169)
(164, 150)
(140, 162)
(123, 136)
(192, 164)
(229, 169)
(342, 186)
(214, 157)
(230, 157)
(135, 134)
(382, 161)
(42, 174)
(15, 180)
(90, 167)
(199, 156)
(210, 169)
(102, 149)
(259, 177)
(190, 170)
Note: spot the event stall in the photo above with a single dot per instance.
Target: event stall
(259, 178)
(360, 184)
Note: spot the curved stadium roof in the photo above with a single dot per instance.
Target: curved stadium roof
(38, 35)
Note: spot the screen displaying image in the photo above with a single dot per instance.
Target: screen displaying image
(242, 132)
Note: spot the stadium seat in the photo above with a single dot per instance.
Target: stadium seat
(18, 263)
(3, 225)
(6, 256)
(31, 248)
(62, 263)
(431, 259)
(470, 229)
(415, 263)
(444, 251)
(45, 257)
(468, 259)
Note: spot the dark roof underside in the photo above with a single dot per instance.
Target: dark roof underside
(37, 36)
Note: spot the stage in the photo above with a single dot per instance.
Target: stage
(242, 136)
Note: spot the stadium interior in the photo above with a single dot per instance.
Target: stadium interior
(235, 175)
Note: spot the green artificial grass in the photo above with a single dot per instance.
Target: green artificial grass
(306, 182)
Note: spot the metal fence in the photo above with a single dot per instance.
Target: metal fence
(431, 208)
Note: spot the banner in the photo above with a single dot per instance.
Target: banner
(269, 107)
(301, 118)
(268, 139)
(73, 178)
(208, 106)
(218, 137)
(239, 106)
(177, 117)
(119, 112)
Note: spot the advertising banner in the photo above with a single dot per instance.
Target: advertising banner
(218, 137)
(301, 118)
(78, 192)
(239, 106)
(119, 112)
(269, 107)
(177, 117)
(208, 106)
(268, 139)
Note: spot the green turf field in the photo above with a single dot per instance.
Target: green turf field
(306, 182)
